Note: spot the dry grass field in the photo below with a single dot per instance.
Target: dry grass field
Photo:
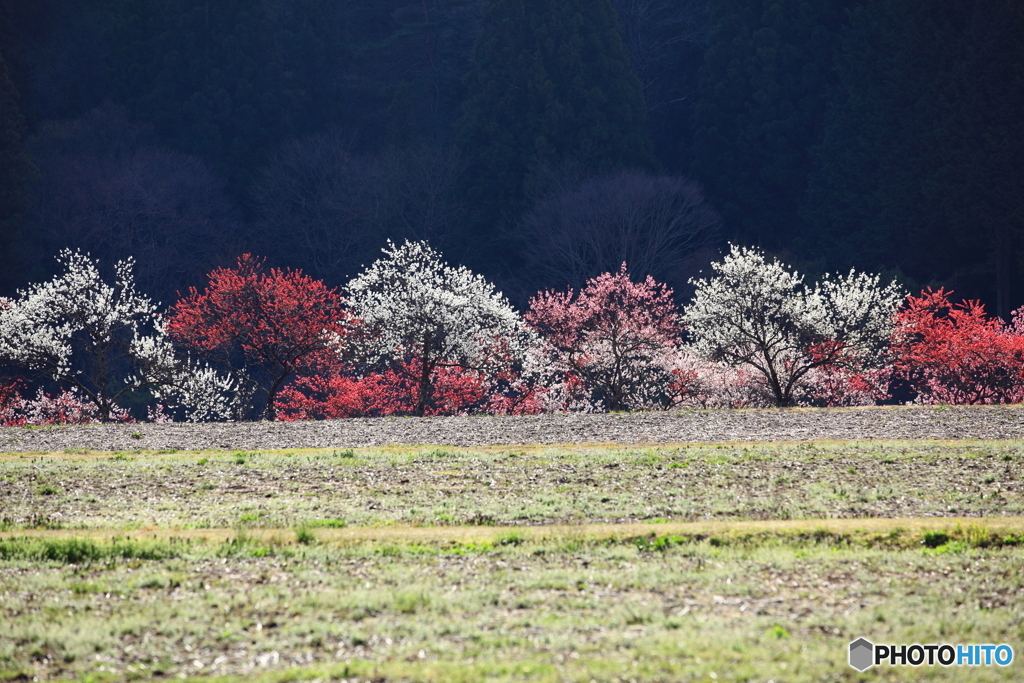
(689, 562)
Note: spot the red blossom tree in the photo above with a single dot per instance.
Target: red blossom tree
(338, 395)
(953, 353)
(265, 326)
(615, 334)
(456, 391)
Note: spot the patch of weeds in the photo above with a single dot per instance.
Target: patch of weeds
(635, 616)
(47, 490)
(242, 545)
(470, 548)
(305, 536)
(949, 547)
(120, 456)
(676, 465)
(347, 453)
(410, 602)
(248, 519)
(327, 524)
(81, 551)
(656, 543)
(934, 539)
(436, 454)
(649, 459)
(85, 588)
(136, 435)
(511, 538)
(38, 521)
(480, 519)
(202, 461)
(240, 458)
(207, 487)
(778, 631)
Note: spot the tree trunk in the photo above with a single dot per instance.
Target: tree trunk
(424, 383)
(271, 412)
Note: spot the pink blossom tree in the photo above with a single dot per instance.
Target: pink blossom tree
(615, 335)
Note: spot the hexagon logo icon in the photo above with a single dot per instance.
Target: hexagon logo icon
(862, 654)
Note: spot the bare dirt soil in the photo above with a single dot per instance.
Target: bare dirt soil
(903, 422)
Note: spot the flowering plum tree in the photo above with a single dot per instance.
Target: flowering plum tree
(698, 383)
(952, 353)
(616, 335)
(761, 314)
(263, 326)
(201, 394)
(338, 394)
(64, 408)
(102, 341)
(419, 316)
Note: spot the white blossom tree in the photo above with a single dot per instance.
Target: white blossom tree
(101, 340)
(761, 314)
(418, 312)
(202, 394)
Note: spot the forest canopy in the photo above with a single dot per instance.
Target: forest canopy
(835, 134)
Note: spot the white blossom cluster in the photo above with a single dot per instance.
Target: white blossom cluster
(760, 314)
(410, 301)
(79, 330)
(104, 341)
(202, 394)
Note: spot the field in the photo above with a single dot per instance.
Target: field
(729, 562)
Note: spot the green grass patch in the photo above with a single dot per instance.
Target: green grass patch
(84, 550)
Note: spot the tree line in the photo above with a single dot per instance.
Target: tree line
(414, 335)
(534, 141)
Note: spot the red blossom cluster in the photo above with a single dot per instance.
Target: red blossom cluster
(953, 353)
(269, 325)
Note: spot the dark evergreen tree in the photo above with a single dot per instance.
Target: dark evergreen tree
(229, 80)
(761, 102)
(922, 164)
(666, 41)
(16, 172)
(550, 83)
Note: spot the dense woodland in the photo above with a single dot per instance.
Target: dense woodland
(537, 142)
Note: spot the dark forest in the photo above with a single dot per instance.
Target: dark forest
(517, 136)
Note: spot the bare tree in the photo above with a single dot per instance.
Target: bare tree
(305, 207)
(410, 194)
(657, 225)
(657, 34)
(105, 187)
(328, 210)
